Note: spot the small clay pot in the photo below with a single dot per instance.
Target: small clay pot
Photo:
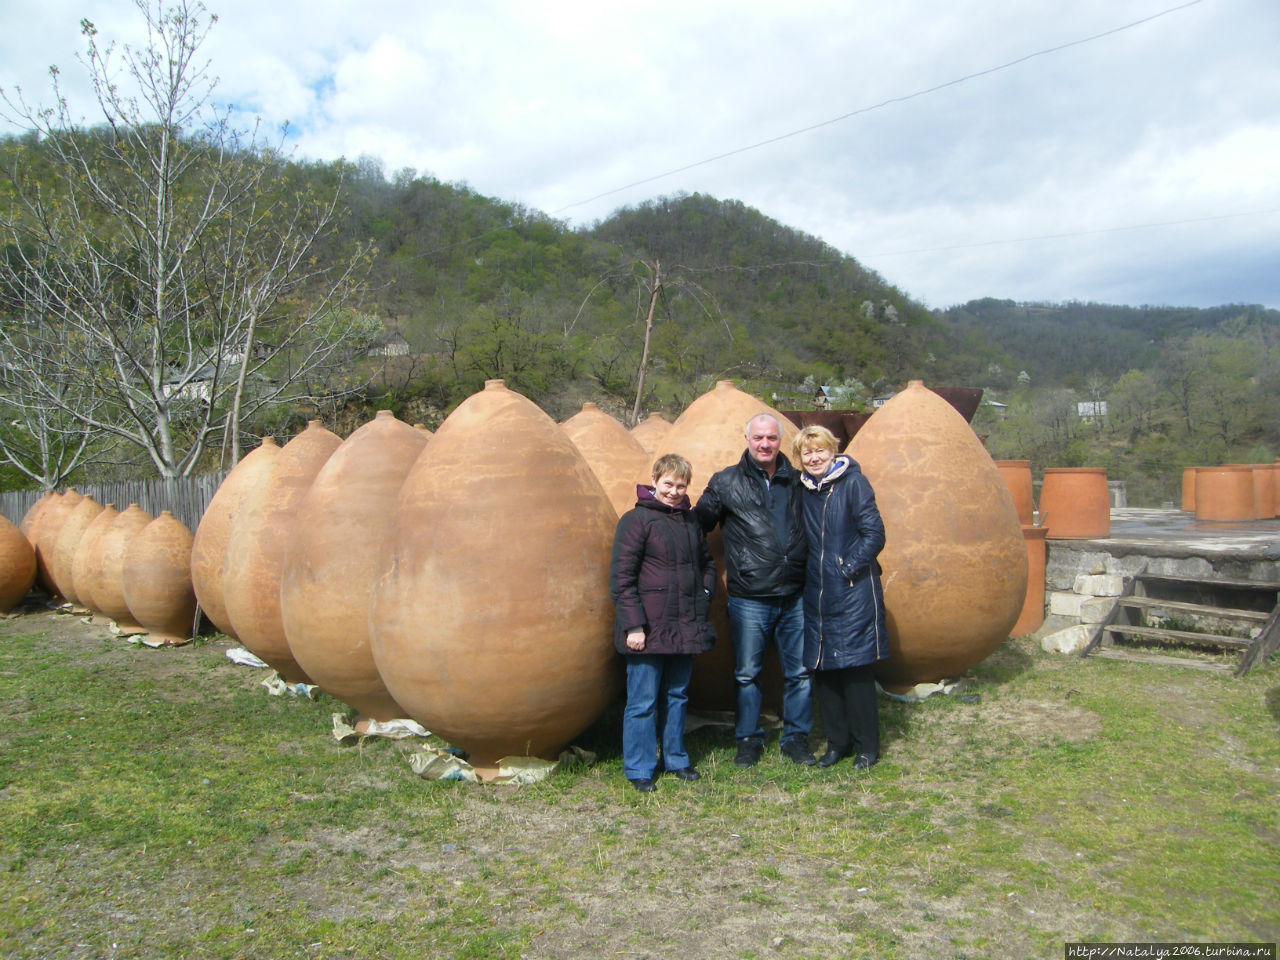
(209, 548)
(1032, 615)
(156, 579)
(17, 565)
(614, 455)
(1016, 475)
(1075, 503)
(1225, 493)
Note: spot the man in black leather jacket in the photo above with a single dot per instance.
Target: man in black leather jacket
(756, 503)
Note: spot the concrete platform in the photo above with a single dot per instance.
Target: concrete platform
(1171, 542)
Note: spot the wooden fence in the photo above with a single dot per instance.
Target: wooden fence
(186, 498)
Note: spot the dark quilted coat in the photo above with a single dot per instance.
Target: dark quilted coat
(661, 578)
(844, 622)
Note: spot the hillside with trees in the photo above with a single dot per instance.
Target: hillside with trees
(171, 288)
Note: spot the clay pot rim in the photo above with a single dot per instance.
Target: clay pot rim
(1101, 470)
(1231, 467)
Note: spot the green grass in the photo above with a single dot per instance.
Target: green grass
(158, 804)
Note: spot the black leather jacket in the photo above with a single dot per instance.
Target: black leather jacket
(759, 566)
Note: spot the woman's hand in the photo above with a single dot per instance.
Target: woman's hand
(635, 640)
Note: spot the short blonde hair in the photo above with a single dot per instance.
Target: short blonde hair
(814, 437)
(674, 465)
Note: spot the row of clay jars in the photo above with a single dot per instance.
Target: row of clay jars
(127, 566)
(491, 622)
(17, 565)
(1232, 491)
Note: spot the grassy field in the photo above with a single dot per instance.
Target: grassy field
(158, 804)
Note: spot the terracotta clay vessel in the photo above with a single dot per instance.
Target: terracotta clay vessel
(1075, 503)
(491, 622)
(44, 536)
(255, 549)
(107, 584)
(209, 548)
(711, 435)
(1189, 489)
(615, 457)
(1016, 475)
(651, 433)
(1225, 493)
(88, 556)
(1032, 614)
(954, 563)
(1264, 491)
(64, 551)
(33, 514)
(156, 579)
(17, 565)
(331, 558)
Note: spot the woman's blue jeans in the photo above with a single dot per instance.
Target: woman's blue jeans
(657, 701)
(753, 623)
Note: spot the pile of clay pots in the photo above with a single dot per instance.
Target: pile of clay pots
(129, 567)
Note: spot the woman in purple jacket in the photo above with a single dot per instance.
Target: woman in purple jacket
(661, 577)
(844, 621)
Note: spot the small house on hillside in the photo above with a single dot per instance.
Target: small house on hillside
(391, 344)
(825, 396)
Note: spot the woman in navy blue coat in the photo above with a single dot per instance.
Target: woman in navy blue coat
(845, 632)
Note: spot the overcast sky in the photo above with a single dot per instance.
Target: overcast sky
(1139, 167)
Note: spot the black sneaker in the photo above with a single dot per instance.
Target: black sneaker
(748, 754)
(796, 751)
(644, 785)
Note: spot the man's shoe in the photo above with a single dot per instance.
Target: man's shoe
(644, 785)
(864, 762)
(796, 751)
(831, 758)
(748, 754)
(686, 773)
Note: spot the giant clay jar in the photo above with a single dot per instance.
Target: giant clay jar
(17, 565)
(44, 536)
(1075, 503)
(491, 622)
(255, 549)
(209, 548)
(1189, 489)
(1032, 614)
(64, 551)
(107, 585)
(954, 562)
(711, 435)
(615, 457)
(1016, 475)
(33, 514)
(156, 579)
(88, 556)
(331, 558)
(1225, 493)
(651, 434)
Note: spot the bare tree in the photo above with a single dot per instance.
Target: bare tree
(171, 251)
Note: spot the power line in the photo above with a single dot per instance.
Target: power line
(1073, 233)
(877, 106)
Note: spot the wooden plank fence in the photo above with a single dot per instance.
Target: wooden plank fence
(186, 497)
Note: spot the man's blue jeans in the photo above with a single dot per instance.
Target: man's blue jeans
(657, 700)
(753, 623)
